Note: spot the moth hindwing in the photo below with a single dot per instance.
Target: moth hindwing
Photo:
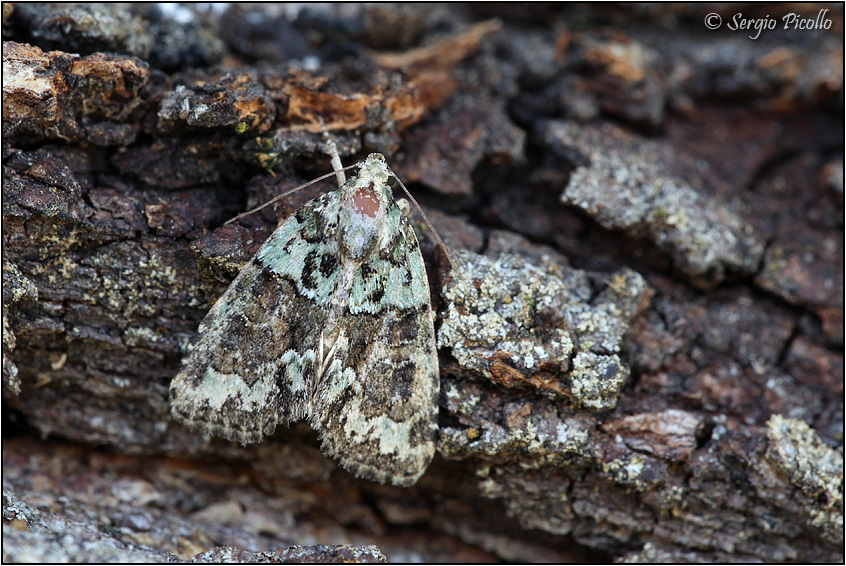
(330, 322)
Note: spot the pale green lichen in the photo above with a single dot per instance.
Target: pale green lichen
(533, 431)
(16, 287)
(624, 470)
(815, 468)
(511, 321)
(628, 186)
(596, 380)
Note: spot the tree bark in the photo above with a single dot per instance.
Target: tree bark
(640, 340)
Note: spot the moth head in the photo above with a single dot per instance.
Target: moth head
(375, 169)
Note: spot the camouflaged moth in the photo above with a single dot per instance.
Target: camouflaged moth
(331, 322)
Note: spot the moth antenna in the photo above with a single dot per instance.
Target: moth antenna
(286, 193)
(426, 220)
(335, 157)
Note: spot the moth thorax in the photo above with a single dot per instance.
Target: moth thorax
(361, 227)
(365, 202)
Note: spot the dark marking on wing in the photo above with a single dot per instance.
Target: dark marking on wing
(404, 330)
(404, 378)
(366, 271)
(328, 264)
(309, 268)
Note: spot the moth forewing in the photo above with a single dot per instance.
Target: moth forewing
(330, 322)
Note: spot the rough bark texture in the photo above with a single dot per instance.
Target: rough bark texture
(641, 343)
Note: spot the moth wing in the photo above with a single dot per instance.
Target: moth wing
(251, 365)
(376, 409)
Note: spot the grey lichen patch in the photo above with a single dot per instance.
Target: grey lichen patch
(521, 325)
(816, 469)
(86, 28)
(128, 302)
(596, 380)
(32, 535)
(653, 553)
(627, 186)
(498, 430)
(341, 553)
(238, 101)
(16, 288)
(624, 469)
(490, 303)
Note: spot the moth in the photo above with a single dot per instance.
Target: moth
(331, 322)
